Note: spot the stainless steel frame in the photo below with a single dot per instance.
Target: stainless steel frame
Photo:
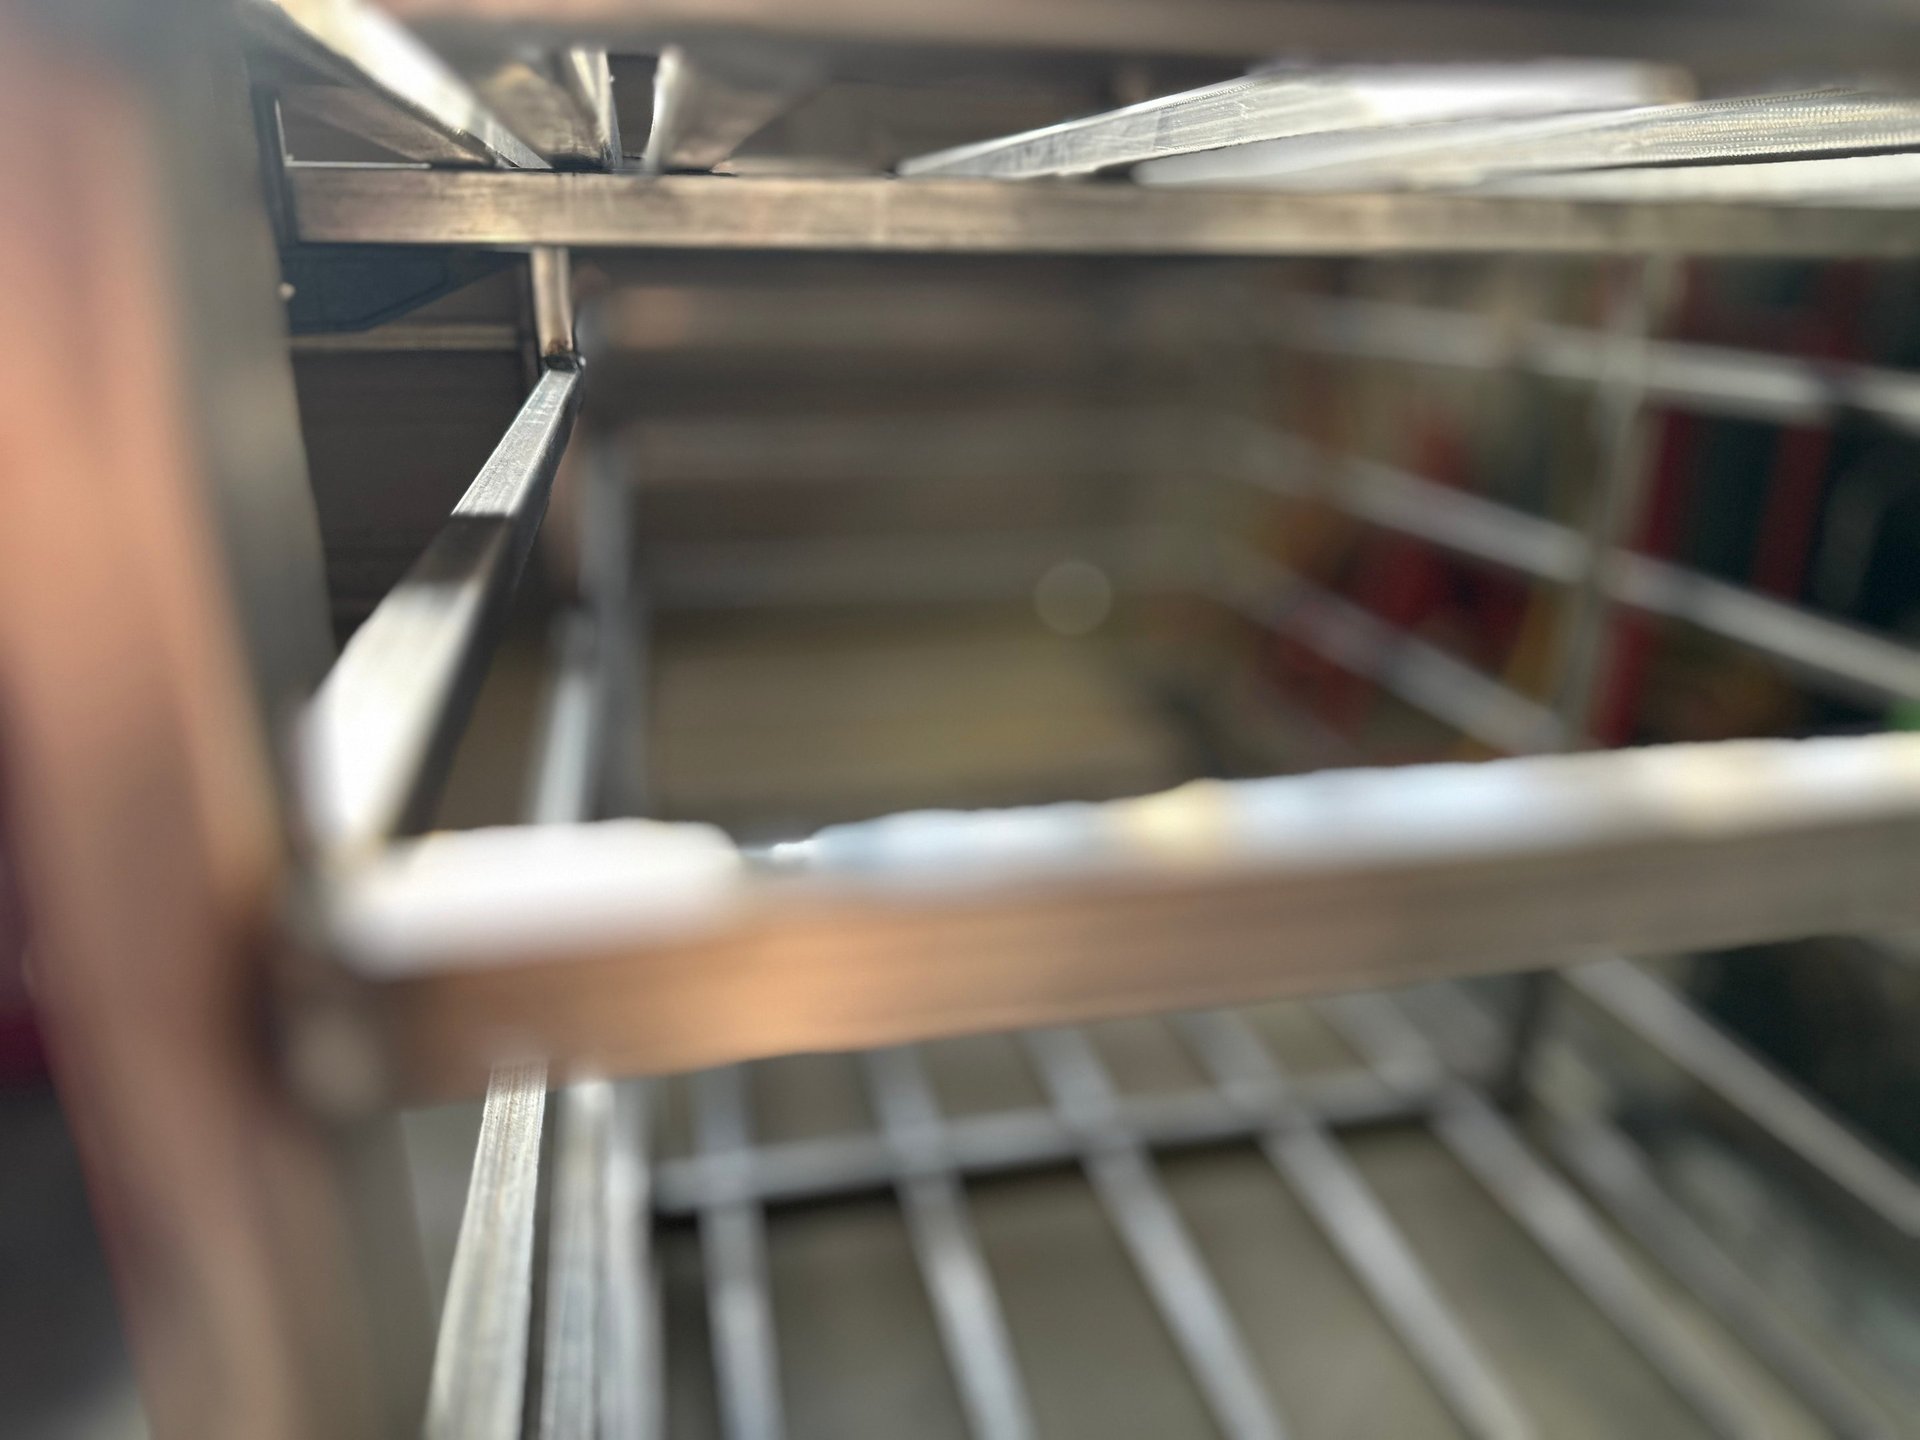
(1645, 851)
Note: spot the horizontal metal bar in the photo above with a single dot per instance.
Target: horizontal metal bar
(1010, 1142)
(480, 1361)
(1423, 675)
(1828, 652)
(377, 738)
(383, 205)
(1875, 1187)
(1461, 154)
(650, 947)
(350, 65)
(1708, 379)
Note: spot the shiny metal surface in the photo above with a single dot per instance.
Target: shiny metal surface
(372, 205)
(797, 1171)
(959, 1285)
(350, 65)
(1835, 655)
(480, 1362)
(1263, 106)
(707, 102)
(1290, 886)
(560, 101)
(376, 739)
(1469, 153)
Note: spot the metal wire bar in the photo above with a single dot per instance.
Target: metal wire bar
(379, 734)
(1583, 625)
(1612, 1170)
(1549, 1210)
(375, 205)
(739, 1289)
(1653, 1013)
(569, 1354)
(1827, 652)
(628, 943)
(797, 1171)
(1707, 379)
(1290, 103)
(1615, 1171)
(632, 1375)
(480, 1360)
(1359, 1227)
(1156, 1238)
(972, 1329)
(1423, 675)
(356, 69)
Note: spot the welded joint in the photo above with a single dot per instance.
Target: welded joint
(550, 278)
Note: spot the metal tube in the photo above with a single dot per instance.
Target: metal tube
(356, 69)
(1830, 653)
(379, 734)
(1009, 1142)
(1612, 1170)
(1423, 675)
(1357, 1224)
(1649, 1010)
(739, 1290)
(374, 205)
(632, 1375)
(570, 1356)
(1548, 1209)
(1156, 1238)
(1706, 379)
(480, 1361)
(627, 944)
(972, 1329)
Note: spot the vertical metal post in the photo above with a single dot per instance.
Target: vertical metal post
(1613, 502)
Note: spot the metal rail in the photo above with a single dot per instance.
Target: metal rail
(628, 943)
(739, 1292)
(1122, 1173)
(1549, 1210)
(933, 1198)
(1347, 1211)
(376, 741)
(1618, 1175)
(376, 205)
(480, 1361)
(1834, 654)
(1013, 1142)
(1739, 1081)
(350, 65)
(1707, 379)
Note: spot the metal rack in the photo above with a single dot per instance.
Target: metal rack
(243, 1151)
